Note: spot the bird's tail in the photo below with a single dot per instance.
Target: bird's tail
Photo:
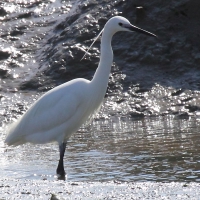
(13, 137)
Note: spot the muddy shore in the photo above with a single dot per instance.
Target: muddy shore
(43, 189)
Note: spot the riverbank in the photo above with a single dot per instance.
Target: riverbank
(44, 189)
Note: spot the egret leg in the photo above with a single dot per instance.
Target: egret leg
(60, 169)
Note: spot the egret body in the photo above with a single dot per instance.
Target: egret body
(60, 112)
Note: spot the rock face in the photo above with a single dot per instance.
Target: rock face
(149, 76)
(170, 60)
(147, 73)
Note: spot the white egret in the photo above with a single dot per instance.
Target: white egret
(60, 112)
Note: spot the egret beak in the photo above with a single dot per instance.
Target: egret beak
(136, 29)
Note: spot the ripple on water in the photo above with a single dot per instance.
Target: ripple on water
(153, 149)
(128, 149)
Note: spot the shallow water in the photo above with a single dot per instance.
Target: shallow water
(151, 149)
(149, 78)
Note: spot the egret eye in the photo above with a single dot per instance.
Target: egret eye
(120, 24)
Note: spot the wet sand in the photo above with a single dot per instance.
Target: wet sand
(44, 189)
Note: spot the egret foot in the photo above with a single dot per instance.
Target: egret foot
(60, 169)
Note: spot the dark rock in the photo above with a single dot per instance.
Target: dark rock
(136, 114)
(142, 90)
(16, 32)
(2, 12)
(183, 115)
(25, 15)
(187, 99)
(3, 73)
(4, 55)
(30, 85)
(192, 108)
(178, 92)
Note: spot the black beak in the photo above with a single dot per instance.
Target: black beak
(136, 29)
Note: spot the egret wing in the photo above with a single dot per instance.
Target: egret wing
(51, 110)
(54, 113)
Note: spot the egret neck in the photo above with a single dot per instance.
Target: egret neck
(101, 76)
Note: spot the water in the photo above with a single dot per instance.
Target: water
(151, 149)
(148, 129)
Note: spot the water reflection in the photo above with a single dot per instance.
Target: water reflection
(155, 149)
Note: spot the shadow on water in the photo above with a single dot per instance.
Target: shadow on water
(151, 149)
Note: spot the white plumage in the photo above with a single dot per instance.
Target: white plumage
(61, 111)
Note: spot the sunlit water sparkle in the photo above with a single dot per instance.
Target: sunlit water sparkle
(152, 149)
(115, 146)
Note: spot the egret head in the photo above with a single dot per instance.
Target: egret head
(116, 24)
(119, 23)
